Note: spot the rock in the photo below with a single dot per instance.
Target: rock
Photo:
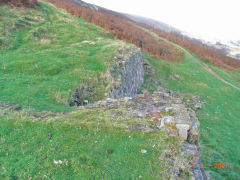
(110, 100)
(191, 150)
(11, 107)
(172, 94)
(160, 125)
(198, 105)
(58, 162)
(15, 108)
(155, 130)
(175, 77)
(85, 101)
(199, 173)
(165, 120)
(173, 133)
(154, 115)
(126, 99)
(148, 70)
(168, 120)
(88, 42)
(193, 101)
(167, 109)
(140, 114)
(183, 130)
(50, 136)
(109, 151)
(159, 88)
(181, 114)
(143, 151)
(45, 41)
(177, 171)
(143, 128)
(82, 93)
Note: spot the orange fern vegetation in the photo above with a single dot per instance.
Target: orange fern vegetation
(237, 79)
(19, 3)
(208, 55)
(123, 30)
(159, 49)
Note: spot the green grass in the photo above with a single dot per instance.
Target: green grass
(27, 152)
(219, 118)
(45, 55)
(43, 58)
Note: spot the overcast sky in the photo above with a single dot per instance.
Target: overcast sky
(208, 19)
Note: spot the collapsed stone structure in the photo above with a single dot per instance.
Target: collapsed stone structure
(165, 110)
(160, 111)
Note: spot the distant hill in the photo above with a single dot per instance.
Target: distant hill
(153, 23)
(230, 48)
(225, 48)
(124, 27)
(121, 28)
(135, 18)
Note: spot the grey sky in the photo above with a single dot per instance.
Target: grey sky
(208, 19)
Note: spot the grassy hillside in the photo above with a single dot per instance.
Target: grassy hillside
(122, 29)
(84, 145)
(219, 118)
(45, 54)
(220, 135)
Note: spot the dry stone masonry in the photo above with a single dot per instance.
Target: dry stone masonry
(127, 75)
(160, 111)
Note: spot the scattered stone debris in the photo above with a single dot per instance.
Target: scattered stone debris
(57, 162)
(45, 41)
(166, 111)
(175, 77)
(193, 101)
(192, 150)
(177, 171)
(60, 162)
(143, 151)
(148, 70)
(89, 42)
(32, 114)
(143, 128)
(109, 151)
(157, 111)
(50, 136)
(11, 107)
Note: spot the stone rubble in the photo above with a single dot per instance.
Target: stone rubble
(169, 113)
(166, 111)
(175, 77)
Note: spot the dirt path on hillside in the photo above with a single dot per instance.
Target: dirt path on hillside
(193, 58)
(206, 67)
